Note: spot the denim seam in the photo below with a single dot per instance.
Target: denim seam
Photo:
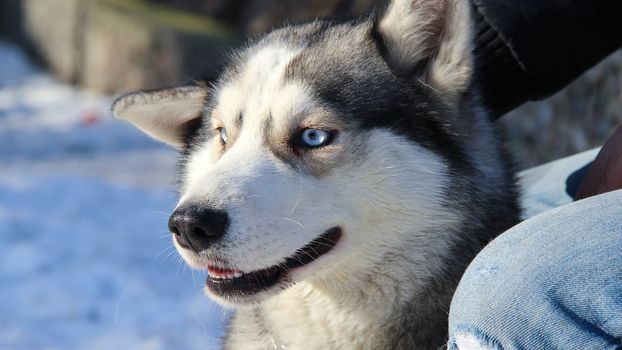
(582, 321)
(619, 339)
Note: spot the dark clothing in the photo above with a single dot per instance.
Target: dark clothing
(530, 49)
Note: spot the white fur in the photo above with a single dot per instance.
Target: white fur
(416, 30)
(160, 114)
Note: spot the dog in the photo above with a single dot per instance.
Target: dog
(337, 179)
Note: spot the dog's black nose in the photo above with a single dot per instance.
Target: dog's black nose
(197, 228)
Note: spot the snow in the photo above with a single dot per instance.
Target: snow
(86, 261)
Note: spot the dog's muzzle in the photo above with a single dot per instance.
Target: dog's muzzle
(225, 282)
(198, 228)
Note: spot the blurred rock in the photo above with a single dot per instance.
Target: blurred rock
(259, 16)
(54, 27)
(48, 29)
(116, 45)
(134, 47)
(577, 118)
(262, 15)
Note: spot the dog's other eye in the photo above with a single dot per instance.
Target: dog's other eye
(223, 135)
(315, 137)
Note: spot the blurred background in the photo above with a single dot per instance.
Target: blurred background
(85, 257)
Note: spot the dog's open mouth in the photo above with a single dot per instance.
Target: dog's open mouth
(223, 281)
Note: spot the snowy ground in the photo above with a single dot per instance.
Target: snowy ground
(85, 257)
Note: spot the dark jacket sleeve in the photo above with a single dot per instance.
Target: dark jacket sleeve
(529, 49)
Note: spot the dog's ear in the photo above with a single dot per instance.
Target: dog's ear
(429, 40)
(165, 114)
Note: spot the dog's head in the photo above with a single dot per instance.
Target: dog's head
(321, 148)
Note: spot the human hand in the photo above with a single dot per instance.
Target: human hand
(605, 174)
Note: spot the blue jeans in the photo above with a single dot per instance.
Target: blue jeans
(552, 282)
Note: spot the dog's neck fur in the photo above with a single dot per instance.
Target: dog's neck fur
(286, 320)
(342, 309)
(328, 313)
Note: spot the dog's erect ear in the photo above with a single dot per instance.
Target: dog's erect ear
(429, 40)
(164, 114)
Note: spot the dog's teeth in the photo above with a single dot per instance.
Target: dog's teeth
(219, 273)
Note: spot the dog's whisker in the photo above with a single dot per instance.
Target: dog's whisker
(180, 262)
(428, 170)
(316, 253)
(313, 258)
(428, 85)
(170, 254)
(162, 251)
(329, 245)
(299, 193)
(284, 267)
(294, 221)
(160, 213)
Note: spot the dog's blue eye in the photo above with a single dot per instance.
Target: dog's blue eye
(223, 135)
(315, 137)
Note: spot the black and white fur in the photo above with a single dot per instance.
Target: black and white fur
(414, 177)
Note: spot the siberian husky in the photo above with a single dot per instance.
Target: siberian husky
(337, 179)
